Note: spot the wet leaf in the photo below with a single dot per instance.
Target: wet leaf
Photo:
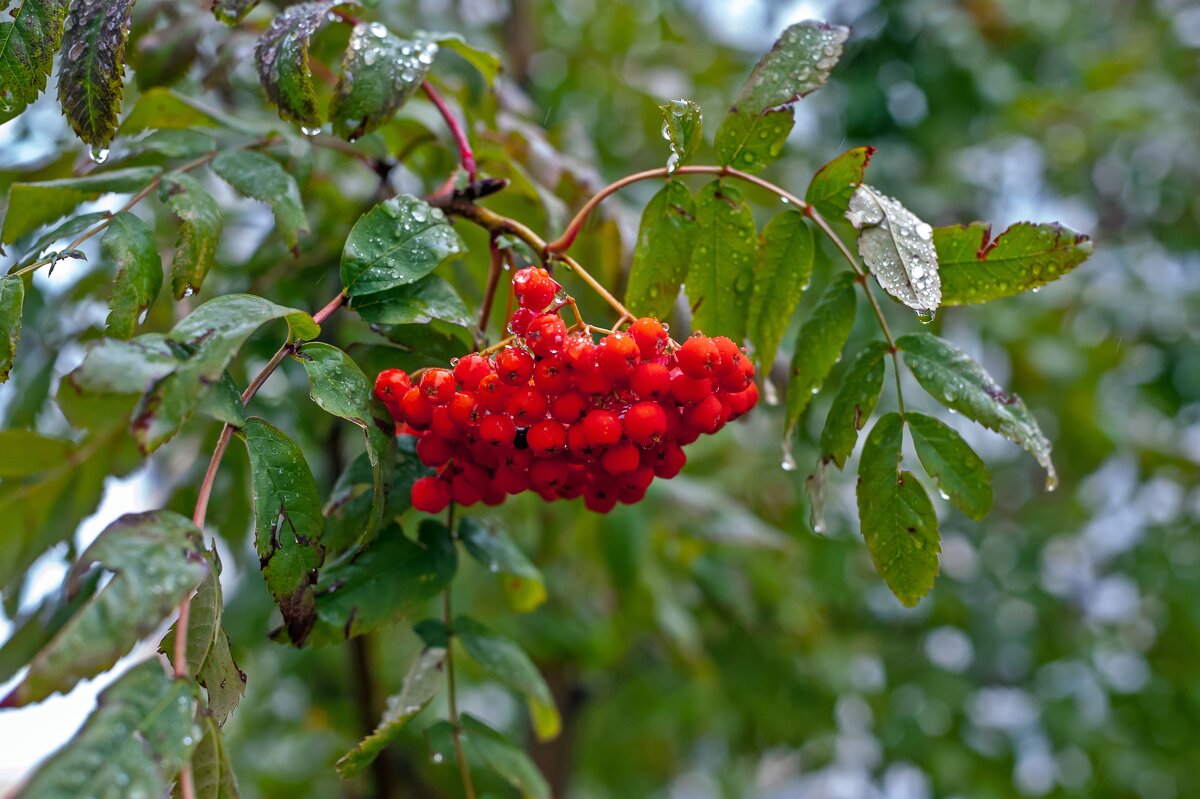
(898, 248)
(396, 243)
(960, 473)
(853, 403)
(495, 550)
(28, 41)
(509, 664)
(200, 223)
(68, 230)
(260, 177)
(819, 346)
(421, 302)
(834, 184)
(163, 109)
(484, 61)
(797, 64)
(231, 12)
(129, 243)
(683, 128)
(31, 205)
(751, 141)
(720, 275)
(380, 73)
(507, 759)
(92, 69)
(32, 631)
(212, 773)
(12, 300)
(664, 247)
(282, 60)
(785, 262)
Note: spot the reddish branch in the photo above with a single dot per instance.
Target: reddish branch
(465, 155)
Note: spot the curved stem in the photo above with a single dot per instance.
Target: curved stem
(495, 267)
(465, 154)
(447, 619)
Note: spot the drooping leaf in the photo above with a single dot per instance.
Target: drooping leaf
(31, 205)
(380, 73)
(486, 62)
(387, 581)
(509, 664)
(953, 378)
(35, 629)
(491, 749)
(785, 262)
(664, 247)
(69, 229)
(212, 773)
(155, 561)
(720, 275)
(898, 248)
(819, 345)
(977, 268)
(897, 518)
(200, 223)
(231, 12)
(960, 473)
(142, 730)
(396, 243)
(129, 243)
(287, 523)
(183, 144)
(259, 177)
(92, 68)
(418, 303)
(282, 60)
(797, 64)
(683, 128)
(495, 550)
(853, 403)
(222, 679)
(750, 141)
(348, 511)
(421, 684)
(28, 42)
(834, 184)
(12, 301)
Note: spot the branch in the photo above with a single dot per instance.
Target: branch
(465, 155)
(495, 267)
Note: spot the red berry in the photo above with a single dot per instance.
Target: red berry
(443, 423)
(470, 369)
(742, 401)
(431, 495)
(579, 354)
(515, 366)
(617, 355)
(705, 415)
(579, 449)
(527, 406)
(548, 474)
(670, 461)
(600, 497)
(534, 288)
(550, 377)
(602, 428)
(594, 382)
(466, 492)
(623, 457)
(698, 357)
(497, 430)
(546, 335)
(739, 378)
(650, 381)
(730, 355)
(520, 320)
(492, 394)
(463, 409)
(417, 410)
(569, 408)
(391, 384)
(547, 438)
(433, 450)
(645, 423)
(438, 386)
(650, 336)
(687, 390)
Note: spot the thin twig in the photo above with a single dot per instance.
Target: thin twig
(495, 267)
(465, 155)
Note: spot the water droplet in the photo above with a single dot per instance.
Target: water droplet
(437, 757)
(943, 494)
(378, 29)
(926, 315)
(788, 464)
(99, 154)
(924, 232)
(310, 131)
(770, 393)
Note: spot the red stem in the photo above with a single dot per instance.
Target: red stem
(465, 154)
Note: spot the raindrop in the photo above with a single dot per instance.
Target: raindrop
(378, 29)
(926, 315)
(788, 463)
(310, 131)
(770, 393)
(99, 154)
(75, 51)
(437, 757)
(943, 494)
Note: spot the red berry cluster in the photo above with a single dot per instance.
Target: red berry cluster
(560, 414)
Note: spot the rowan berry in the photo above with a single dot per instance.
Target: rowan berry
(497, 430)
(600, 497)
(551, 377)
(514, 366)
(645, 423)
(546, 335)
(738, 378)
(569, 408)
(687, 390)
(650, 381)
(603, 428)
(698, 357)
(443, 423)
(391, 384)
(465, 491)
(527, 406)
(731, 356)
(650, 335)
(520, 320)
(620, 458)
(579, 354)
(463, 409)
(579, 448)
(742, 401)
(433, 450)
(616, 356)
(670, 461)
(492, 394)
(705, 415)
(548, 474)
(470, 369)
(534, 288)
(431, 495)
(416, 408)
(547, 438)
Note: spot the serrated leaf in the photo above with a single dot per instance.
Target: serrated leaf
(212, 773)
(897, 518)
(785, 262)
(261, 178)
(231, 12)
(204, 620)
(396, 243)
(12, 301)
(898, 248)
(390, 579)
(664, 247)
(797, 65)
(720, 276)
(508, 663)
(92, 68)
(133, 743)
(34, 630)
(151, 558)
(27, 46)
(683, 128)
(430, 298)
(31, 205)
(495, 550)
(953, 378)
(287, 523)
(222, 679)
(486, 62)
(819, 345)
(834, 184)
(977, 268)
(960, 473)
(200, 223)
(129, 243)
(504, 757)
(69, 229)
(853, 403)
(421, 684)
(380, 73)
(750, 141)
(282, 60)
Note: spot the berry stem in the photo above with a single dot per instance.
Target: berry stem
(465, 155)
(447, 620)
(495, 267)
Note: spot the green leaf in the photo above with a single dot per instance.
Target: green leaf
(141, 732)
(287, 523)
(421, 684)
(683, 128)
(339, 387)
(898, 248)
(221, 677)
(853, 403)
(396, 243)
(155, 561)
(977, 268)
(92, 68)
(212, 773)
(200, 224)
(816, 485)
(12, 300)
(348, 512)
(183, 144)
(509, 664)
(164, 109)
(785, 262)
(422, 302)
(960, 473)
(485, 744)
(31, 205)
(69, 229)
(384, 583)
(819, 345)
(27, 46)
(797, 65)
(380, 73)
(129, 243)
(113, 366)
(37, 628)
(750, 141)
(282, 60)
(261, 178)
(953, 378)
(897, 518)
(664, 247)
(832, 187)
(499, 554)
(204, 620)
(231, 12)
(720, 275)
(37, 453)
(486, 62)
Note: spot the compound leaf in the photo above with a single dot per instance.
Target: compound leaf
(720, 275)
(380, 73)
(396, 243)
(260, 177)
(961, 475)
(853, 403)
(785, 262)
(898, 248)
(797, 65)
(664, 246)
